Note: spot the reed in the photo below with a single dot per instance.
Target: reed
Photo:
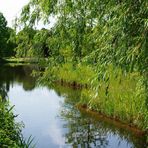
(115, 94)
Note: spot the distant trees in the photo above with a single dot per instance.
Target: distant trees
(32, 43)
(24, 41)
(40, 43)
(3, 34)
(11, 42)
(7, 43)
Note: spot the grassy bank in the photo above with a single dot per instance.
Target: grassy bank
(88, 117)
(19, 60)
(117, 95)
(10, 131)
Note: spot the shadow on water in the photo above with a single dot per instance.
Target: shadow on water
(80, 129)
(20, 74)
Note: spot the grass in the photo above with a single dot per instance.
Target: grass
(116, 95)
(10, 131)
(123, 101)
(70, 73)
(20, 60)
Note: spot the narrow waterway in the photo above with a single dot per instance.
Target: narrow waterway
(49, 115)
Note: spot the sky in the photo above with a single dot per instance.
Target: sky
(11, 8)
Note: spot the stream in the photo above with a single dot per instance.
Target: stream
(51, 118)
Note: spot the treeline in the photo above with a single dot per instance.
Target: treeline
(6, 38)
(32, 43)
(26, 43)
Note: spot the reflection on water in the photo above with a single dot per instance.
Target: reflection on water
(49, 115)
(87, 130)
(18, 74)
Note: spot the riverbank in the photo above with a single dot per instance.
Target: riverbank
(19, 60)
(120, 97)
(72, 97)
(115, 122)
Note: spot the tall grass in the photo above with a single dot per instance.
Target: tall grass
(11, 131)
(70, 73)
(122, 98)
(117, 95)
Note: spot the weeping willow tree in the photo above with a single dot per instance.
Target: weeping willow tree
(115, 30)
(109, 31)
(104, 33)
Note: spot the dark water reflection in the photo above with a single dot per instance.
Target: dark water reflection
(49, 115)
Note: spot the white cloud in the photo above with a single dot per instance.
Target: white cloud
(10, 8)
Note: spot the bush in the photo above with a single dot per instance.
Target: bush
(10, 131)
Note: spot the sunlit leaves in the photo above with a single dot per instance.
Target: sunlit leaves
(104, 32)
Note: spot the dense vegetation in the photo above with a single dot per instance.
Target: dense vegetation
(99, 43)
(10, 130)
(6, 38)
(85, 123)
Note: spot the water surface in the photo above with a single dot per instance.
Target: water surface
(49, 115)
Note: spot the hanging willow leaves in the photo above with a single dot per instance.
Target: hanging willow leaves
(103, 33)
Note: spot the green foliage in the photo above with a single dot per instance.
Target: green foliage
(10, 131)
(3, 30)
(70, 73)
(117, 95)
(122, 98)
(112, 32)
(32, 43)
(6, 45)
(24, 41)
(40, 45)
(110, 37)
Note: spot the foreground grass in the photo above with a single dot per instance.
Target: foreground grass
(10, 131)
(117, 95)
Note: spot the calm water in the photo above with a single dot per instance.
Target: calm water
(49, 115)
